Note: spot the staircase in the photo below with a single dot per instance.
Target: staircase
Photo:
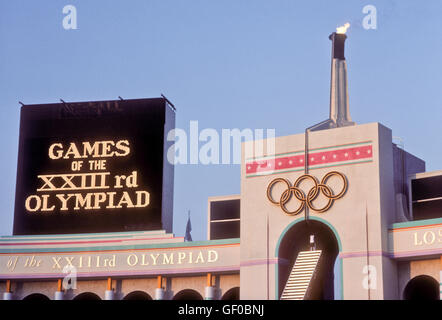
(301, 275)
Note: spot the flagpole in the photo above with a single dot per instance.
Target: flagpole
(188, 236)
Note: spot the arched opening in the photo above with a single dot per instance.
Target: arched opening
(231, 294)
(87, 296)
(36, 297)
(187, 294)
(137, 295)
(422, 288)
(296, 239)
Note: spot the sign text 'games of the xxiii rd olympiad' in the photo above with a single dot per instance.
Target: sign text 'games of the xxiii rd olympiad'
(94, 167)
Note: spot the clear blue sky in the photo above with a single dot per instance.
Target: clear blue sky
(227, 64)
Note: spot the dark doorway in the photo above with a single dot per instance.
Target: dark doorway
(297, 239)
(36, 297)
(422, 288)
(187, 294)
(137, 295)
(87, 296)
(231, 294)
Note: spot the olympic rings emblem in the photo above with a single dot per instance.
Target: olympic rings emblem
(312, 194)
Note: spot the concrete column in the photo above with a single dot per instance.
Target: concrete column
(7, 295)
(440, 278)
(209, 293)
(109, 295)
(59, 295)
(160, 293)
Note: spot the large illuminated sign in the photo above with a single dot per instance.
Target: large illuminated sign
(66, 187)
(84, 168)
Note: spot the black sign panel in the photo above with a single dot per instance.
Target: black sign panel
(94, 167)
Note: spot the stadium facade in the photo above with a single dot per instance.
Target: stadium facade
(336, 212)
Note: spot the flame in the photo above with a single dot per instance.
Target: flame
(343, 29)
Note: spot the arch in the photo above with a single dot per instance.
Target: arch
(87, 296)
(187, 294)
(36, 297)
(137, 295)
(295, 238)
(231, 294)
(422, 287)
(328, 224)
